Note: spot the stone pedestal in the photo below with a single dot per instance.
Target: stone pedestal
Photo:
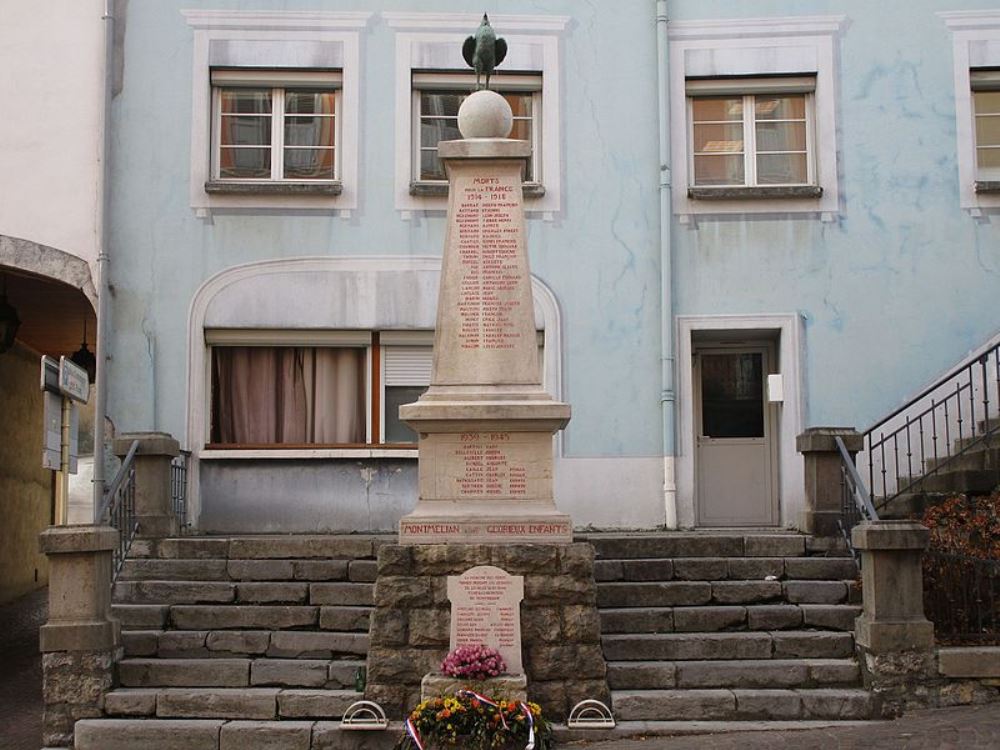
(79, 643)
(153, 510)
(485, 424)
(511, 687)
(822, 476)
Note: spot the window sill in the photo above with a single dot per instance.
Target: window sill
(754, 193)
(987, 186)
(279, 453)
(274, 188)
(434, 189)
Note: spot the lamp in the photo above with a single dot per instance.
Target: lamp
(9, 322)
(84, 357)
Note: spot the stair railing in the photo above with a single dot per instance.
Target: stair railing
(118, 509)
(178, 489)
(855, 502)
(933, 429)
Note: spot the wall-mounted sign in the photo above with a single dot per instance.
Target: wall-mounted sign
(74, 382)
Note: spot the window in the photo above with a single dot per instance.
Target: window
(271, 135)
(436, 99)
(344, 392)
(754, 135)
(986, 112)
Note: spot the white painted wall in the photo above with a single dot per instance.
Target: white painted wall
(52, 58)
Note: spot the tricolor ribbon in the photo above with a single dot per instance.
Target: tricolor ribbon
(411, 730)
(487, 701)
(531, 727)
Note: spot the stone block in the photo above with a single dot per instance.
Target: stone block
(428, 627)
(583, 661)
(193, 548)
(389, 626)
(550, 695)
(141, 616)
(777, 545)
(341, 593)
(673, 593)
(821, 568)
(780, 705)
(395, 560)
(251, 642)
(679, 705)
(833, 671)
(301, 546)
(970, 661)
(362, 571)
(642, 675)
(77, 678)
(450, 559)
(890, 535)
(541, 625)
(196, 617)
(815, 592)
(345, 618)
(823, 440)
(509, 687)
(182, 643)
(522, 559)
(140, 642)
(272, 593)
(314, 703)
(202, 703)
(810, 644)
(756, 568)
(184, 672)
(702, 619)
(403, 592)
(749, 673)
(745, 592)
(72, 540)
(323, 570)
(773, 617)
(343, 674)
(563, 589)
(129, 734)
(130, 702)
(676, 646)
(266, 735)
(260, 570)
(882, 637)
(173, 570)
(289, 672)
(580, 624)
(830, 616)
(577, 560)
(637, 620)
(316, 645)
(175, 592)
(578, 690)
(832, 703)
(700, 569)
(608, 570)
(328, 735)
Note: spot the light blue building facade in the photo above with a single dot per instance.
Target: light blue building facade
(743, 219)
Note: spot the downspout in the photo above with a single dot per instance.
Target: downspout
(103, 277)
(667, 393)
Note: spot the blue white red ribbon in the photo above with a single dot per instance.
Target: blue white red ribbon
(411, 730)
(531, 727)
(487, 701)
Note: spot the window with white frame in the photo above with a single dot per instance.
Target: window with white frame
(986, 112)
(276, 129)
(436, 99)
(751, 133)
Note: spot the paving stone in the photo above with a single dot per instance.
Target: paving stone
(642, 675)
(810, 644)
(821, 568)
(361, 594)
(141, 616)
(272, 593)
(199, 703)
(815, 592)
(320, 570)
(836, 704)
(745, 592)
(701, 569)
(778, 545)
(179, 644)
(672, 646)
(289, 672)
(250, 642)
(305, 645)
(365, 571)
(314, 703)
(768, 704)
(343, 674)
(773, 617)
(831, 616)
(679, 705)
(674, 593)
(707, 619)
(637, 620)
(174, 592)
(647, 570)
(131, 702)
(173, 570)
(261, 570)
(747, 673)
(132, 734)
(756, 568)
(184, 672)
(301, 546)
(140, 642)
(266, 735)
(345, 618)
(194, 617)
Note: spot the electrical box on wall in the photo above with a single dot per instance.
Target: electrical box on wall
(775, 389)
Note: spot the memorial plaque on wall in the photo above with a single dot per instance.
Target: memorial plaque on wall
(486, 609)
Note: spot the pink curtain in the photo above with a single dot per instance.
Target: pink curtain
(285, 395)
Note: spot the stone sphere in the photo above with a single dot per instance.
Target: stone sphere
(485, 114)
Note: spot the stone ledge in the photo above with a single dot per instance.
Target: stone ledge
(890, 535)
(274, 188)
(82, 636)
(150, 444)
(512, 686)
(67, 540)
(987, 186)
(439, 189)
(755, 193)
(970, 661)
(485, 148)
(821, 440)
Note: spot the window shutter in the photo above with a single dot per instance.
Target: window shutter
(985, 80)
(737, 86)
(407, 365)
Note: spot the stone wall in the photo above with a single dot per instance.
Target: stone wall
(560, 627)
(74, 684)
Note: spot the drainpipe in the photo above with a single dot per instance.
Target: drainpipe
(104, 280)
(667, 393)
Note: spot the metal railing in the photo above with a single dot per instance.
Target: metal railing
(855, 503)
(178, 489)
(962, 596)
(934, 430)
(118, 509)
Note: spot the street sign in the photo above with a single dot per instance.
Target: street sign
(73, 380)
(50, 375)
(52, 420)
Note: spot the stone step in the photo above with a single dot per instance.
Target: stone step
(746, 673)
(226, 571)
(975, 481)
(723, 568)
(680, 544)
(698, 593)
(264, 547)
(229, 703)
(786, 644)
(741, 704)
(978, 457)
(728, 618)
(259, 592)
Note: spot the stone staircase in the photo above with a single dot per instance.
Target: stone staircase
(244, 642)
(729, 627)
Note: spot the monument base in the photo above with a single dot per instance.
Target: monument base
(509, 687)
(463, 525)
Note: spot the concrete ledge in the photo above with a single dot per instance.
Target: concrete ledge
(485, 148)
(150, 444)
(890, 535)
(754, 192)
(822, 439)
(334, 187)
(970, 661)
(901, 635)
(67, 540)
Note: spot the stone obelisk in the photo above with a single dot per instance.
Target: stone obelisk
(486, 425)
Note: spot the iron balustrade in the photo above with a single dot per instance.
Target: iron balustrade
(178, 489)
(933, 430)
(962, 596)
(855, 504)
(118, 509)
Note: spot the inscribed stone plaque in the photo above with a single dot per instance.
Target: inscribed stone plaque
(486, 609)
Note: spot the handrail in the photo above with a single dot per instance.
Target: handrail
(112, 489)
(119, 509)
(861, 497)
